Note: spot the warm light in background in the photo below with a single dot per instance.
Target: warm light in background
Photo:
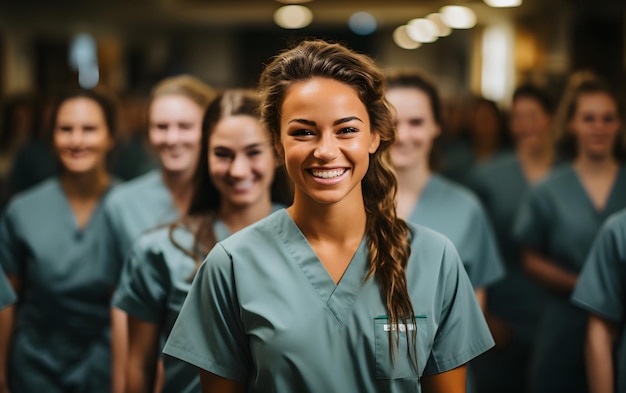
(293, 17)
(422, 30)
(443, 30)
(362, 23)
(503, 3)
(498, 70)
(458, 17)
(293, 1)
(402, 39)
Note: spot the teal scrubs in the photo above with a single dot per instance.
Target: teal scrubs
(137, 206)
(61, 337)
(7, 296)
(454, 211)
(558, 220)
(516, 299)
(263, 311)
(601, 288)
(156, 279)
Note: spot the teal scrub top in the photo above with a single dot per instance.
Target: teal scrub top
(558, 220)
(7, 296)
(601, 287)
(500, 184)
(61, 337)
(263, 311)
(454, 211)
(137, 206)
(155, 281)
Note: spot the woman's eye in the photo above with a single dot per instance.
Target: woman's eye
(348, 130)
(416, 122)
(301, 132)
(254, 153)
(65, 128)
(222, 154)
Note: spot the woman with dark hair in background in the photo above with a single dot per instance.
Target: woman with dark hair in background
(55, 248)
(233, 191)
(514, 303)
(334, 293)
(429, 199)
(556, 225)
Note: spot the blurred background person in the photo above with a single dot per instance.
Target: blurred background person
(600, 292)
(514, 303)
(55, 248)
(7, 298)
(175, 113)
(427, 198)
(233, 191)
(557, 222)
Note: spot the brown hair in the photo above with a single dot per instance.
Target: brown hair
(185, 85)
(387, 235)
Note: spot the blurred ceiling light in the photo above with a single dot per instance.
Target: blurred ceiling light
(503, 3)
(362, 23)
(458, 17)
(402, 39)
(443, 30)
(422, 30)
(293, 1)
(293, 17)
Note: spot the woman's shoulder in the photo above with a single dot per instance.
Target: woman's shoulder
(38, 196)
(265, 231)
(134, 188)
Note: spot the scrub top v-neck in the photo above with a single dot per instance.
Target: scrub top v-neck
(264, 311)
(61, 338)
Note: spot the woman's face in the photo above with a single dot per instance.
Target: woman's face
(416, 126)
(530, 124)
(325, 140)
(81, 136)
(595, 124)
(175, 131)
(241, 161)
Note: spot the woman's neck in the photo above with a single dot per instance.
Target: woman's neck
(342, 222)
(585, 164)
(535, 163)
(85, 186)
(181, 189)
(236, 218)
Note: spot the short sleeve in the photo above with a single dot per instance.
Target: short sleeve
(462, 333)
(209, 332)
(602, 282)
(532, 221)
(143, 287)
(12, 251)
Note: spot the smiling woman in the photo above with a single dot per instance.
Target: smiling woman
(55, 248)
(334, 293)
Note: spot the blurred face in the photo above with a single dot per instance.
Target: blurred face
(175, 131)
(530, 124)
(416, 125)
(81, 136)
(325, 140)
(241, 161)
(595, 124)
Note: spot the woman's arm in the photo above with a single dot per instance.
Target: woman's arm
(119, 349)
(599, 354)
(548, 274)
(453, 381)
(212, 383)
(143, 356)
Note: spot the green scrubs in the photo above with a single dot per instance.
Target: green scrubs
(454, 211)
(515, 299)
(7, 296)
(558, 220)
(137, 206)
(61, 337)
(263, 311)
(156, 279)
(601, 288)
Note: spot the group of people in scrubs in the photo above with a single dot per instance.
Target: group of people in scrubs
(300, 238)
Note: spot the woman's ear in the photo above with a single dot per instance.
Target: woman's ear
(280, 152)
(374, 142)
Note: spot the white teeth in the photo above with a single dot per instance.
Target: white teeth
(243, 184)
(328, 174)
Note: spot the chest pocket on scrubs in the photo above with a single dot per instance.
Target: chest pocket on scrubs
(384, 335)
